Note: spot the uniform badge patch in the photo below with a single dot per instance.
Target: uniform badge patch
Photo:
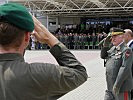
(127, 54)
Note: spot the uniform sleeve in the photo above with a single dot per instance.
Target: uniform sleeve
(124, 71)
(64, 79)
(104, 53)
(65, 58)
(55, 80)
(69, 74)
(58, 80)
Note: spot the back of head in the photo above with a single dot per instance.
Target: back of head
(10, 36)
(15, 20)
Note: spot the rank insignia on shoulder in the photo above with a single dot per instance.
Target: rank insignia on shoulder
(127, 53)
(118, 53)
(118, 48)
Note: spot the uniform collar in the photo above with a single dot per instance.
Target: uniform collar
(119, 46)
(11, 56)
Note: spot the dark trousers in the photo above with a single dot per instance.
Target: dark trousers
(132, 95)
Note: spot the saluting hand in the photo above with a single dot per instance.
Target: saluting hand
(42, 34)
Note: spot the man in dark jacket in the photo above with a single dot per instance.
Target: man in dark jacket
(35, 81)
(118, 65)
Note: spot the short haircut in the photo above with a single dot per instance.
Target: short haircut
(10, 36)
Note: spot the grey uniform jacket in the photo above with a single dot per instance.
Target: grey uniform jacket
(40, 81)
(118, 67)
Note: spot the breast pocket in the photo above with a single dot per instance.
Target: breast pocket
(117, 65)
(113, 65)
(109, 67)
(118, 60)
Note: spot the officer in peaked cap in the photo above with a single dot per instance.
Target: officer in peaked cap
(119, 59)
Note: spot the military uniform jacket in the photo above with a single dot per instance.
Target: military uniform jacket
(118, 67)
(40, 81)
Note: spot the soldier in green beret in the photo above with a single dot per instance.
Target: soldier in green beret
(35, 81)
(119, 59)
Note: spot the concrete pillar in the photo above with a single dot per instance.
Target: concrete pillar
(47, 22)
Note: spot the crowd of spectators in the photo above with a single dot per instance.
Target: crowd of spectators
(72, 41)
(77, 36)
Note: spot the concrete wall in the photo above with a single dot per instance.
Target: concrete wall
(43, 20)
(52, 23)
(66, 21)
(49, 22)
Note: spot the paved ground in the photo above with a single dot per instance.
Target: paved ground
(93, 88)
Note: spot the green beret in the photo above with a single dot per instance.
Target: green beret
(17, 15)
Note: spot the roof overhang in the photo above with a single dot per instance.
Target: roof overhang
(80, 8)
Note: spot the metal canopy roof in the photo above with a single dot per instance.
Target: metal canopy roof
(81, 8)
